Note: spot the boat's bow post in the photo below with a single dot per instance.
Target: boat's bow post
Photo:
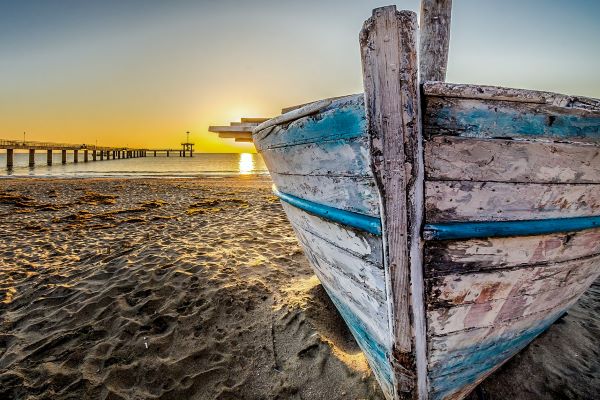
(434, 39)
(392, 103)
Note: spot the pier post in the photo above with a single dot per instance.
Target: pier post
(119, 154)
(154, 153)
(9, 158)
(101, 155)
(31, 158)
(85, 155)
(93, 155)
(191, 152)
(167, 153)
(49, 157)
(64, 156)
(75, 156)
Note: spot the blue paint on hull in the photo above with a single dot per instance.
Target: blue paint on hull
(359, 221)
(343, 119)
(375, 352)
(469, 230)
(465, 366)
(482, 121)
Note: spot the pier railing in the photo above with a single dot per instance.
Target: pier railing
(29, 144)
(97, 152)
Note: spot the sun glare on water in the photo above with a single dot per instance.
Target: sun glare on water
(246, 163)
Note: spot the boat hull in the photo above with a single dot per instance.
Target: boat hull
(510, 237)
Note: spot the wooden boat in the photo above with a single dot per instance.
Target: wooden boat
(450, 224)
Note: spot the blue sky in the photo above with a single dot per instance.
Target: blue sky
(149, 70)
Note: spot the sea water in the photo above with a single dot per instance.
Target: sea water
(201, 164)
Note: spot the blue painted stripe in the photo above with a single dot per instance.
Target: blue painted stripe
(470, 230)
(355, 220)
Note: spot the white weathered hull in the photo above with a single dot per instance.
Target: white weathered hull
(486, 297)
(450, 224)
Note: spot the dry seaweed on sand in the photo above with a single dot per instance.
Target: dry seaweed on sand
(95, 198)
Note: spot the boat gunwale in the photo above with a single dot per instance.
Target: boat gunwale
(588, 105)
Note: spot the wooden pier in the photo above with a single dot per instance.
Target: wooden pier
(97, 152)
(85, 152)
(240, 131)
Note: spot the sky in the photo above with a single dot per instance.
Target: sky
(141, 73)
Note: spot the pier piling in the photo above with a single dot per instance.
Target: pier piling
(31, 158)
(85, 155)
(75, 156)
(64, 156)
(49, 157)
(9, 158)
(93, 155)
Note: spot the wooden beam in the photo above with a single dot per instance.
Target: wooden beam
(219, 129)
(251, 124)
(235, 135)
(434, 39)
(244, 140)
(254, 120)
(390, 73)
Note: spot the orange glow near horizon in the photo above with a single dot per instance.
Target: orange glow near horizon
(142, 73)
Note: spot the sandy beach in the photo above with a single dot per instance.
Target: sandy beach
(197, 289)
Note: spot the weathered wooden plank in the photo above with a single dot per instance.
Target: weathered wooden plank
(236, 135)
(295, 107)
(460, 358)
(353, 194)
(244, 140)
(377, 353)
(231, 129)
(497, 93)
(434, 39)
(505, 119)
(480, 315)
(339, 157)
(298, 113)
(342, 119)
(468, 159)
(392, 106)
(366, 275)
(254, 120)
(360, 243)
(463, 256)
(492, 201)
(461, 368)
(481, 287)
(370, 309)
(249, 124)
